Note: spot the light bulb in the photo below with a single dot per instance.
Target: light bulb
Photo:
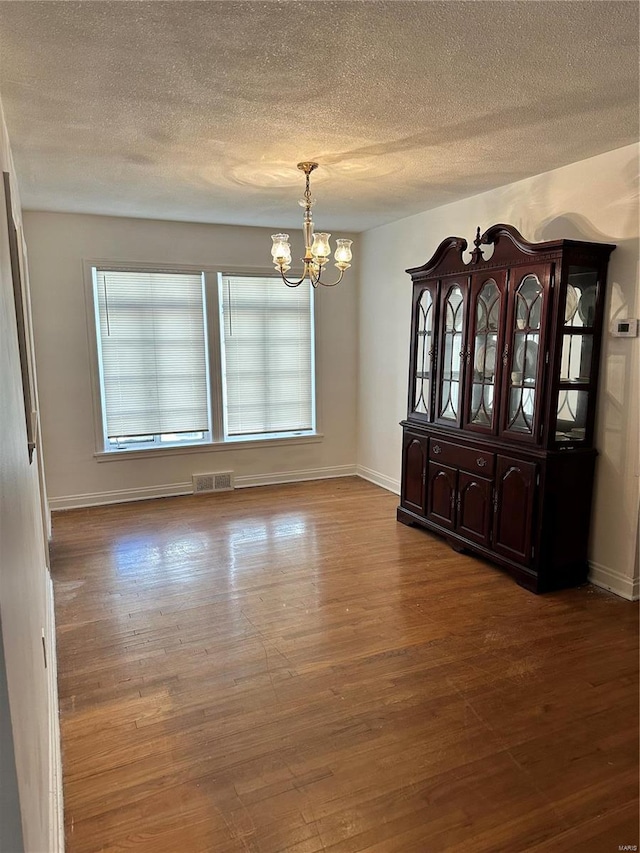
(320, 248)
(343, 253)
(281, 249)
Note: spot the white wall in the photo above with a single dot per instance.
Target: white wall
(58, 243)
(25, 587)
(10, 825)
(596, 199)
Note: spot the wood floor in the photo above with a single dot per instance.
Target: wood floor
(289, 669)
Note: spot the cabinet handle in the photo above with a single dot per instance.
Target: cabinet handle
(437, 449)
(505, 355)
(481, 462)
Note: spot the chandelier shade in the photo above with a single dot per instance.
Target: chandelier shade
(317, 246)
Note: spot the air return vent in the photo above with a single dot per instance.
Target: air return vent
(222, 481)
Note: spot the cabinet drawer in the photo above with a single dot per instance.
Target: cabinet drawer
(462, 457)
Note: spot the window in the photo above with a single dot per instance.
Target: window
(267, 362)
(189, 358)
(152, 357)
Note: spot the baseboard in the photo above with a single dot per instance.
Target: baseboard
(379, 479)
(621, 585)
(279, 477)
(120, 496)
(173, 489)
(56, 802)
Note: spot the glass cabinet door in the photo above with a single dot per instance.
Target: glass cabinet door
(523, 353)
(483, 356)
(452, 313)
(420, 386)
(575, 389)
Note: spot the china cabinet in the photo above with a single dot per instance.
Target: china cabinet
(497, 445)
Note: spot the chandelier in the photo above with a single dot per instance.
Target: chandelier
(317, 249)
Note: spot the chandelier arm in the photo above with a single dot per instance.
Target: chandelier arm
(330, 283)
(291, 283)
(313, 280)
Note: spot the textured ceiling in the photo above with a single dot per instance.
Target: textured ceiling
(199, 111)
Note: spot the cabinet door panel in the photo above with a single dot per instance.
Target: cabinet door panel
(422, 355)
(451, 348)
(524, 352)
(487, 307)
(474, 507)
(414, 473)
(441, 495)
(513, 517)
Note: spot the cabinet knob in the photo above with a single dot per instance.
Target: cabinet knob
(437, 449)
(481, 462)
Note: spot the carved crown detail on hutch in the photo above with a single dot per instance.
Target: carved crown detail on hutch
(497, 451)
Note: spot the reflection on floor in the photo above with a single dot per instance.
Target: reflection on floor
(288, 669)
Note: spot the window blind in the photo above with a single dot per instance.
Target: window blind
(267, 355)
(151, 340)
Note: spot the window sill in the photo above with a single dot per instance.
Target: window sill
(209, 447)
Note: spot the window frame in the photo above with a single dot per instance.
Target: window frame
(216, 439)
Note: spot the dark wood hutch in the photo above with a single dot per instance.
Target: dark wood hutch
(497, 451)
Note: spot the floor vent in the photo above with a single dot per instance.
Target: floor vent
(220, 482)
